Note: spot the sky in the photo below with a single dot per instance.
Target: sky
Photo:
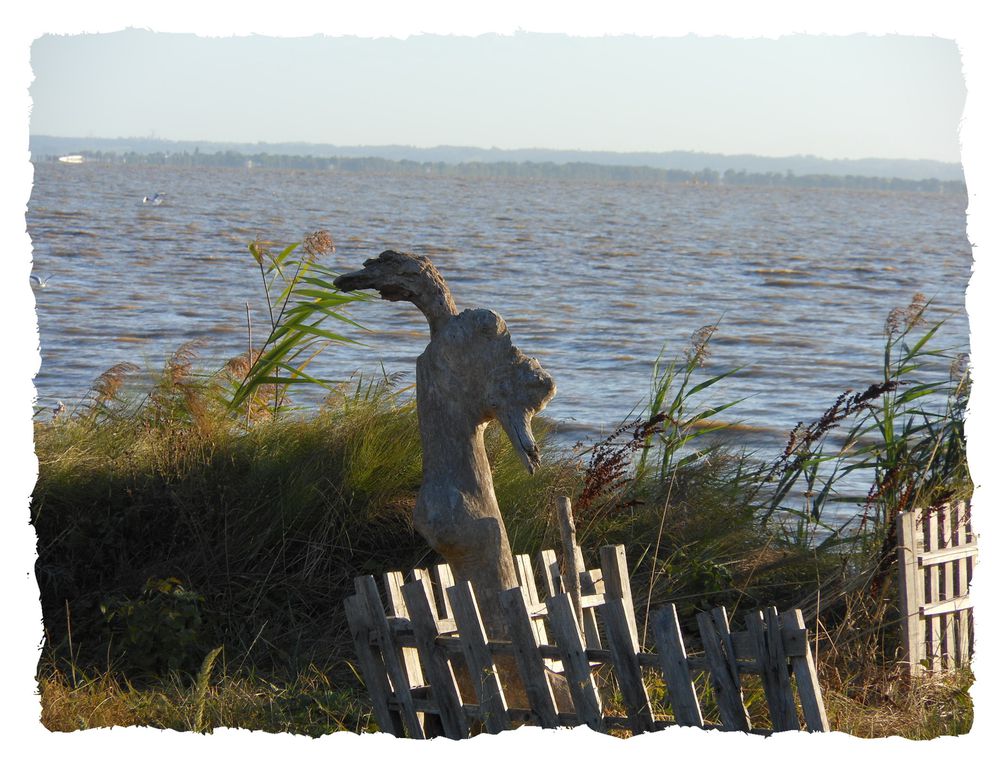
(849, 96)
(973, 26)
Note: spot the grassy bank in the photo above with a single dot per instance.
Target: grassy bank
(193, 556)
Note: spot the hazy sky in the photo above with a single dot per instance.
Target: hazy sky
(832, 96)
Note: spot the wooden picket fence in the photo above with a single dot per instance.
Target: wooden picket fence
(937, 555)
(430, 669)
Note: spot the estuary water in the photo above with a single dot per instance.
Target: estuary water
(593, 279)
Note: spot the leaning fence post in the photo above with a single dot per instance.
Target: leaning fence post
(573, 558)
(442, 682)
(675, 665)
(807, 677)
(626, 664)
(579, 679)
(528, 658)
(367, 591)
(615, 571)
(764, 631)
(720, 659)
(410, 658)
(483, 671)
(371, 666)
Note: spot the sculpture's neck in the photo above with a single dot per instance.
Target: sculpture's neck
(434, 300)
(453, 445)
(450, 429)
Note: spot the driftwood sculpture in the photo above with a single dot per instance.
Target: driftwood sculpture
(469, 374)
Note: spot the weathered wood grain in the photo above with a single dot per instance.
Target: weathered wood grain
(806, 676)
(627, 666)
(482, 669)
(580, 681)
(675, 666)
(530, 665)
(371, 666)
(443, 686)
(367, 591)
(719, 654)
(615, 571)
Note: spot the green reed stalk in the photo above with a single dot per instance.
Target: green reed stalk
(297, 313)
(671, 408)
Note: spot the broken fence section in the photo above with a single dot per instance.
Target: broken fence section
(430, 669)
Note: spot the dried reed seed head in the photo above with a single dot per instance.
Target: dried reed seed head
(109, 382)
(179, 365)
(915, 309)
(904, 319)
(698, 343)
(238, 366)
(319, 243)
(893, 321)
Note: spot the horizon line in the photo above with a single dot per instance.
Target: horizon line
(306, 142)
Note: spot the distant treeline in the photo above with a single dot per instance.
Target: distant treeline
(580, 171)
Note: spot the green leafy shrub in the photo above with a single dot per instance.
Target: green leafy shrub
(160, 631)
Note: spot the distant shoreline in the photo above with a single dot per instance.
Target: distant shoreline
(571, 171)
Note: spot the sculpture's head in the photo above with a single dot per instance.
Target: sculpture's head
(490, 375)
(404, 276)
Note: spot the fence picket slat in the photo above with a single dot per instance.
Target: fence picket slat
(371, 666)
(780, 665)
(573, 558)
(910, 595)
(947, 620)
(445, 578)
(530, 665)
(442, 681)
(550, 571)
(475, 648)
(934, 635)
(675, 666)
(764, 629)
(393, 581)
(367, 591)
(726, 687)
(617, 590)
(806, 676)
(958, 586)
(589, 585)
(627, 666)
(422, 575)
(723, 626)
(579, 679)
(526, 580)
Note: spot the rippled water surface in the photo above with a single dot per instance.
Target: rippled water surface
(593, 279)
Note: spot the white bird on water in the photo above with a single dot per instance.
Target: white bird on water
(154, 200)
(39, 281)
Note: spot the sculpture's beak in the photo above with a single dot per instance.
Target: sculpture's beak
(355, 280)
(517, 425)
(373, 278)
